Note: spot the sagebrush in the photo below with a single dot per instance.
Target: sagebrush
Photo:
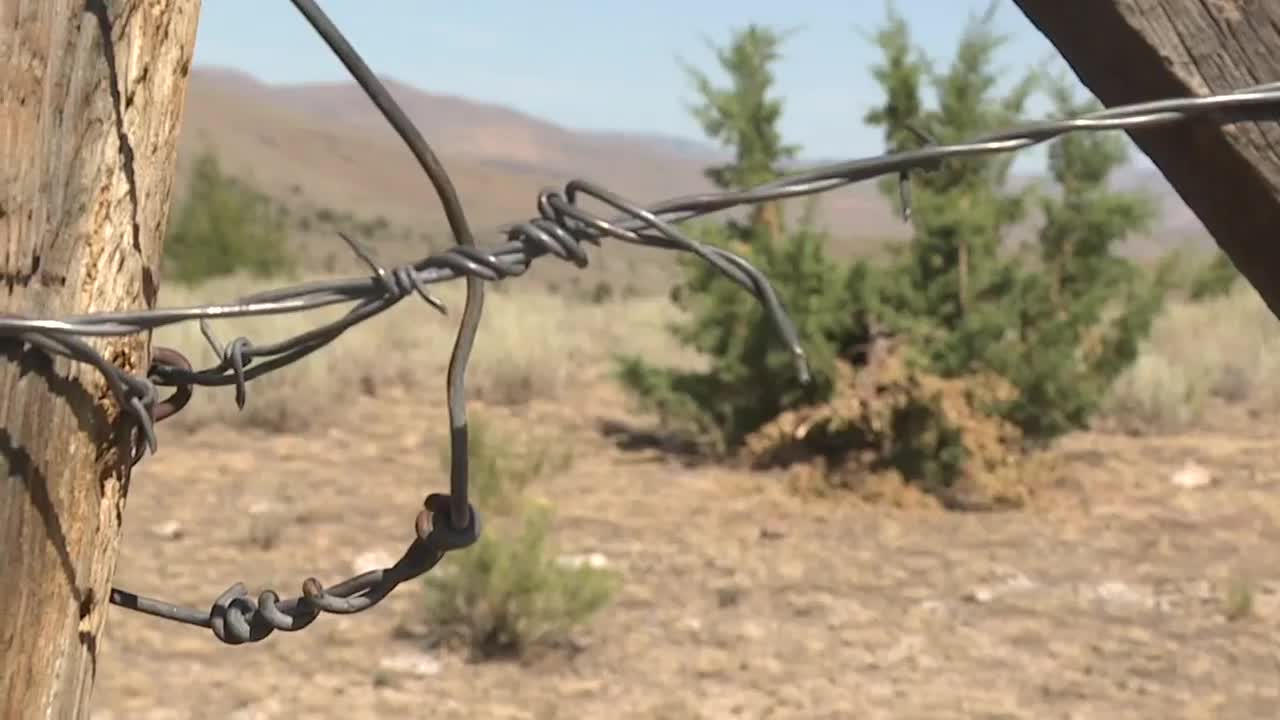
(511, 593)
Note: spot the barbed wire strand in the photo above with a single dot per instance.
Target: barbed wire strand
(447, 521)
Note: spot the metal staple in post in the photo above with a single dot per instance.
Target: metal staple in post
(447, 521)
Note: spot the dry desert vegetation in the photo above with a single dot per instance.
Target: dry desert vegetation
(1137, 582)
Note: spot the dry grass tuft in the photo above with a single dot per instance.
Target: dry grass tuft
(1224, 350)
(512, 593)
(1237, 601)
(532, 345)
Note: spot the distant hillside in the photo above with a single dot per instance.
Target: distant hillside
(324, 149)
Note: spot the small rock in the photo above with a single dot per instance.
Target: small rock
(1202, 590)
(580, 687)
(809, 605)
(269, 708)
(908, 647)
(1019, 582)
(262, 507)
(264, 531)
(933, 607)
(418, 664)
(1013, 582)
(769, 533)
(171, 530)
(593, 560)
(768, 665)
(712, 661)
(817, 645)
(1119, 593)
(728, 596)
(1191, 475)
(751, 630)
(372, 560)
(857, 638)
(691, 624)
(981, 595)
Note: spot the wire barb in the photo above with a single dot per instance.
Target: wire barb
(904, 175)
(561, 228)
(399, 282)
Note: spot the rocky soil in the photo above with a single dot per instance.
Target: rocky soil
(1141, 582)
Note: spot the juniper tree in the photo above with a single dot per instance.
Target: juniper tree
(751, 377)
(224, 226)
(1060, 328)
(1085, 312)
(948, 287)
(744, 117)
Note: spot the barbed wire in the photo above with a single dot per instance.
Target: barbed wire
(448, 521)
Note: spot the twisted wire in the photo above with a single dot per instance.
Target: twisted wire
(561, 229)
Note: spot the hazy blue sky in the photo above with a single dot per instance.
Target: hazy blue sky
(605, 65)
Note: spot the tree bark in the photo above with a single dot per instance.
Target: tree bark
(91, 100)
(1128, 51)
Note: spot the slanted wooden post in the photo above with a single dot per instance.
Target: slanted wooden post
(91, 99)
(1133, 50)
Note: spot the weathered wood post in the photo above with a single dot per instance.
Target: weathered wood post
(91, 99)
(1128, 51)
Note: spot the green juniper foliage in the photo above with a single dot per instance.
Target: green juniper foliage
(752, 376)
(1060, 326)
(1059, 319)
(1084, 312)
(511, 593)
(223, 227)
(949, 289)
(744, 117)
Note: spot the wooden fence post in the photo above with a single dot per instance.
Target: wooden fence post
(91, 100)
(1128, 51)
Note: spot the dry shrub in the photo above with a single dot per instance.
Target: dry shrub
(510, 594)
(1155, 395)
(1223, 350)
(894, 432)
(503, 466)
(532, 345)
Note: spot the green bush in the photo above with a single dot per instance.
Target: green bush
(1216, 278)
(751, 377)
(223, 227)
(1061, 324)
(510, 593)
(1058, 325)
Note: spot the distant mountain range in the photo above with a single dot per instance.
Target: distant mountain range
(325, 145)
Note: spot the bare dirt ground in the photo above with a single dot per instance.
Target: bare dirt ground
(1116, 594)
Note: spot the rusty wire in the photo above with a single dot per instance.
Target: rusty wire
(447, 521)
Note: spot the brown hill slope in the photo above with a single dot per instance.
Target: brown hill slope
(325, 146)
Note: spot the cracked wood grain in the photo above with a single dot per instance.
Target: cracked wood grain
(1129, 51)
(91, 100)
